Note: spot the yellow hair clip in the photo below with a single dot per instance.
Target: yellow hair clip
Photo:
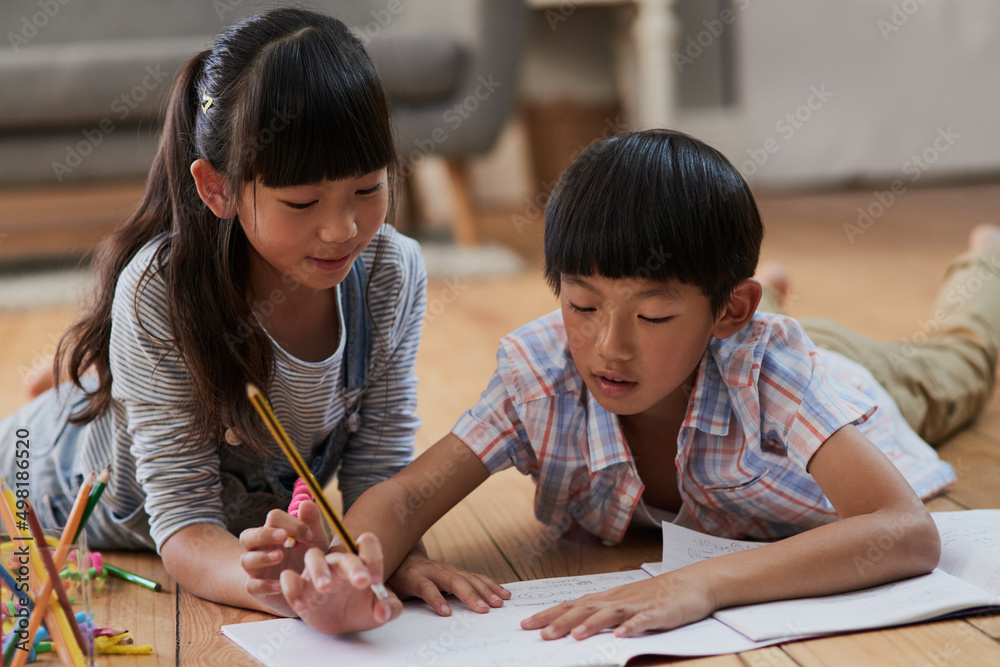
(208, 101)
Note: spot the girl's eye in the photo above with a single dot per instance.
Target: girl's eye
(299, 206)
(371, 191)
(577, 309)
(656, 320)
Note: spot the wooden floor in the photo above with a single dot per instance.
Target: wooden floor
(880, 282)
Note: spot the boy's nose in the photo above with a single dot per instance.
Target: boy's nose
(612, 341)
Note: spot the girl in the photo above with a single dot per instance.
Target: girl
(258, 254)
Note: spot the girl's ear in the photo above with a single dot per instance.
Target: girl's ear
(212, 188)
(740, 309)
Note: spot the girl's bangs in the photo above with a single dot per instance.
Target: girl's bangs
(315, 112)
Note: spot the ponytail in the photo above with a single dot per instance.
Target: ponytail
(84, 346)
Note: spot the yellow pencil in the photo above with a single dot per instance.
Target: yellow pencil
(303, 471)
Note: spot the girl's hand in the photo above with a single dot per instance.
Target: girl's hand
(265, 556)
(419, 576)
(661, 603)
(333, 594)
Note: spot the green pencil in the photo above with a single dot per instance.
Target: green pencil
(95, 495)
(134, 578)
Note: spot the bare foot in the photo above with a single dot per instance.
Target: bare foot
(774, 277)
(40, 378)
(985, 238)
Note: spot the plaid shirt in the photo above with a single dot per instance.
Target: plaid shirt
(764, 401)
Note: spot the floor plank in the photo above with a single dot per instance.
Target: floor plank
(941, 643)
(199, 635)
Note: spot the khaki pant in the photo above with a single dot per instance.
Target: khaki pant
(941, 376)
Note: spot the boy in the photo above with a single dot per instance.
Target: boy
(658, 391)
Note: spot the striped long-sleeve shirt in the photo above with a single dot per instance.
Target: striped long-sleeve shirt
(162, 483)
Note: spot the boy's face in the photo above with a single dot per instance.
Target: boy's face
(634, 341)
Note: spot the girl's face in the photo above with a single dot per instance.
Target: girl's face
(311, 234)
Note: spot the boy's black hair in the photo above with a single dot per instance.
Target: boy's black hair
(658, 205)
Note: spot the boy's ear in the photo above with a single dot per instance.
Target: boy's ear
(740, 309)
(212, 188)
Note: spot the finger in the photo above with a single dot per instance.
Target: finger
(429, 592)
(370, 553)
(258, 560)
(564, 624)
(489, 590)
(263, 586)
(543, 618)
(606, 617)
(650, 619)
(312, 522)
(265, 537)
(317, 570)
(281, 519)
(460, 587)
(349, 567)
(388, 609)
(295, 588)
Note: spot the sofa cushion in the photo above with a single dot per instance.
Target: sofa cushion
(82, 84)
(417, 67)
(127, 81)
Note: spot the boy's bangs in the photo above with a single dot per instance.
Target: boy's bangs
(615, 226)
(315, 113)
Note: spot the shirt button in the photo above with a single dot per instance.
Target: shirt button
(626, 500)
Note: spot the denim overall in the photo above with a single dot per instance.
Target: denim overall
(251, 487)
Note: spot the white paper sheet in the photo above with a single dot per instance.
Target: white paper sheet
(421, 637)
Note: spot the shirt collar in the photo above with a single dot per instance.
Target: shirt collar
(605, 442)
(709, 409)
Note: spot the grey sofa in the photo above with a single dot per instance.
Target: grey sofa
(83, 82)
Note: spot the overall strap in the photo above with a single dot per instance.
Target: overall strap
(357, 327)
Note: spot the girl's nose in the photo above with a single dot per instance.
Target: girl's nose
(339, 231)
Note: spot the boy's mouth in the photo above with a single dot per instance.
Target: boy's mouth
(613, 385)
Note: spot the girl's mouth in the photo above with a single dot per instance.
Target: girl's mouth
(334, 264)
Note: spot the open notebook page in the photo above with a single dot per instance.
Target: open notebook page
(970, 546)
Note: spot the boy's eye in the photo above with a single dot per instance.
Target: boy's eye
(371, 191)
(656, 320)
(579, 309)
(299, 206)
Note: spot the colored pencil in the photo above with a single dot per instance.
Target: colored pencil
(43, 548)
(293, 456)
(95, 495)
(46, 585)
(71, 529)
(11, 583)
(134, 578)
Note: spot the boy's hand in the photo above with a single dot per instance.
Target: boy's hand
(265, 556)
(661, 603)
(419, 576)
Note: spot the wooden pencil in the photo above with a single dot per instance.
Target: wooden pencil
(303, 471)
(95, 496)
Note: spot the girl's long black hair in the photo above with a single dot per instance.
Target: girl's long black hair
(288, 97)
